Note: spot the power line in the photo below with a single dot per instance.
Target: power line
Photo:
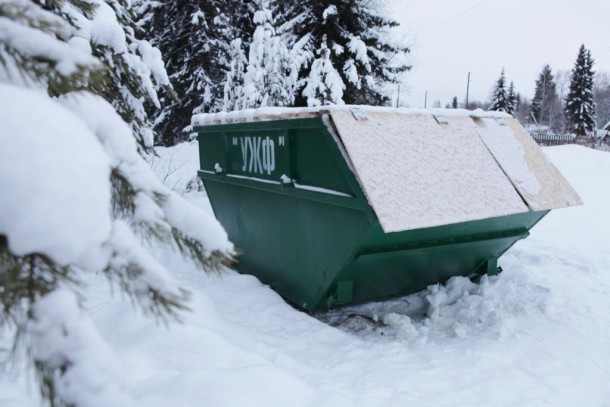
(452, 19)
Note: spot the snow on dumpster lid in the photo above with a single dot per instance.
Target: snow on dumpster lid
(445, 167)
(421, 170)
(538, 182)
(281, 113)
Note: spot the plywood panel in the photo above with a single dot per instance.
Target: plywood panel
(418, 173)
(536, 179)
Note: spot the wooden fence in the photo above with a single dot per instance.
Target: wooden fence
(550, 139)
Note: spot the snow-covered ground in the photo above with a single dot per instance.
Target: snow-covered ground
(538, 334)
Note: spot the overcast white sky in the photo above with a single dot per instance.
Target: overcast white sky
(451, 37)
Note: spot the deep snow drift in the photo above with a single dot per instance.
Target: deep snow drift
(538, 334)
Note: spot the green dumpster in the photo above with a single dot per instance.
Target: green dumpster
(331, 206)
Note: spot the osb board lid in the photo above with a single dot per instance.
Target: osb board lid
(533, 175)
(420, 171)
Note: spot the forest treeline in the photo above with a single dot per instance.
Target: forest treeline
(226, 55)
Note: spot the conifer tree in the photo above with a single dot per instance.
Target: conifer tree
(270, 77)
(454, 103)
(580, 103)
(233, 98)
(511, 108)
(354, 36)
(324, 84)
(83, 61)
(500, 101)
(523, 112)
(602, 98)
(195, 38)
(135, 70)
(545, 104)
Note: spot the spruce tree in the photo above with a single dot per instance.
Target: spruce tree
(602, 98)
(500, 101)
(83, 61)
(511, 108)
(195, 38)
(545, 104)
(580, 104)
(454, 103)
(352, 37)
(523, 112)
(324, 84)
(233, 98)
(271, 76)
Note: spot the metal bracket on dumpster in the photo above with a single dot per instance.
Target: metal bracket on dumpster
(359, 114)
(345, 292)
(441, 119)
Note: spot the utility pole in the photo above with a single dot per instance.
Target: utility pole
(426, 100)
(467, 90)
(398, 97)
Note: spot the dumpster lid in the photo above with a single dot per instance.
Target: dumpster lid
(425, 168)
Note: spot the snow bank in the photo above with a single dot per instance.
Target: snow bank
(63, 337)
(493, 308)
(535, 335)
(56, 180)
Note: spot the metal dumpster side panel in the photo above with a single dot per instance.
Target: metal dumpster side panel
(392, 264)
(294, 239)
(294, 245)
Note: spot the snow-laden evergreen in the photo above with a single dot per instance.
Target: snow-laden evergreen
(580, 101)
(77, 196)
(324, 83)
(233, 97)
(546, 109)
(511, 108)
(271, 75)
(228, 55)
(500, 100)
(194, 38)
(602, 98)
(354, 36)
